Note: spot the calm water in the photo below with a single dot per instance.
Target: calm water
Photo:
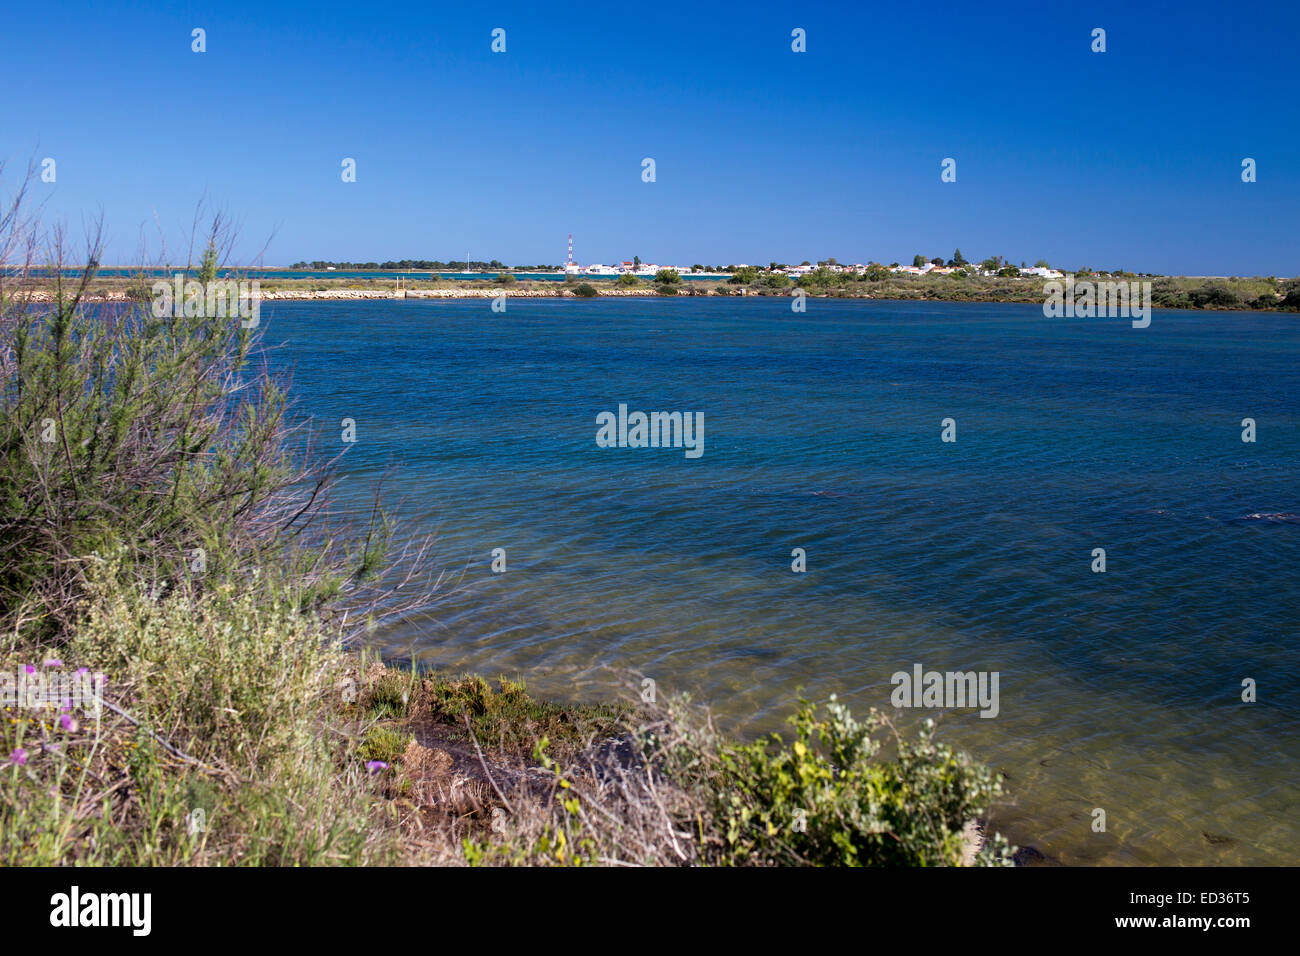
(822, 431)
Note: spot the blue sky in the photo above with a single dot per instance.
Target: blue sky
(1131, 158)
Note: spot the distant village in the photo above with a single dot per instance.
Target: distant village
(634, 267)
(937, 267)
(920, 266)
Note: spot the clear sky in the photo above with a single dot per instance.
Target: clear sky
(1125, 159)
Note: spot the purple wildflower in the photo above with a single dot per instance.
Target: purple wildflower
(54, 662)
(374, 766)
(19, 756)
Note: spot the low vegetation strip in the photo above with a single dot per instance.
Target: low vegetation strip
(1167, 292)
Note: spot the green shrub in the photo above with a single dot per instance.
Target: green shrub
(384, 743)
(389, 695)
(126, 431)
(1214, 296)
(829, 799)
(231, 699)
(585, 290)
(156, 509)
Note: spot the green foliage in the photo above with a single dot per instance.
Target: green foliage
(829, 799)
(139, 288)
(390, 695)
(668, 277)
(666, 289)
(1170, 292)
(506, 278)
(627, 280)
(821, 278)
(585, 290)
(510, 718)
(228, 693)
(743, 276)
(384, 743)
(1214, 296)
(155, 509)
(122, 430)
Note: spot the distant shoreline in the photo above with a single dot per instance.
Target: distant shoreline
(377, 295)
(1169, 292)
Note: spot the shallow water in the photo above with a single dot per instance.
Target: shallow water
(1119, 691)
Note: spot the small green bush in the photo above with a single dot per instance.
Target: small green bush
(384, 743)
(585, 290)
(829, 799)
(1214, 296)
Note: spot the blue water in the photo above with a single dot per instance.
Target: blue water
(1119, 691)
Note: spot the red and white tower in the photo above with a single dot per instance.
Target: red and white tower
(570, 266)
